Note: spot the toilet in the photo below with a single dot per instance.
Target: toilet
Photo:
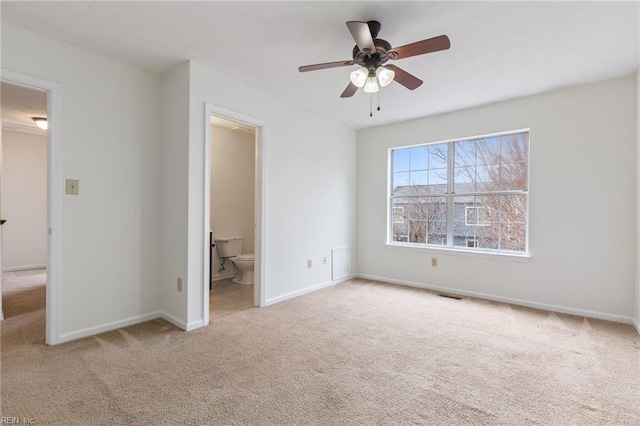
(230, 248)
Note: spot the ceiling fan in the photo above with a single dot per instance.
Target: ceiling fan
(371, 53)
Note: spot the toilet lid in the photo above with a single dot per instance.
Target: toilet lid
(244, 257)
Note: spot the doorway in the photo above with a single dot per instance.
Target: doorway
(31, 246)
(23, 203)
(233, 208)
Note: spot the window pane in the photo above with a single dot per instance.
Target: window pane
(419, 178)
(417, 231)
(438, 156)
(400, 182)
(513, 148)
(437, 232)
(464, 179)
(465, 153)
(419, 158)
(513, 208)
(513, 176)
(437, 181)
(400, 232)
(420, 219)
(513, 236)
(400, 160)
(488, 178)
(488, 151)
(489, 236)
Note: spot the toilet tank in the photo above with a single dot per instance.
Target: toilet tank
(229, 246)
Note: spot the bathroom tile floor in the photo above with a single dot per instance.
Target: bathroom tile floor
(227, 297)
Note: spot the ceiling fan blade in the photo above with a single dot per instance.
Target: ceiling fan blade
(362, 35)
(409, 81)
(349, 91)
(336, 64)
(429, 45)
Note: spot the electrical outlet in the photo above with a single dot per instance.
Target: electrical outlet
(179, 284)
(309, 263)
(324, 260)
(434, 262)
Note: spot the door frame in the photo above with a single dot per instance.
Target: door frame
(54, 194)
(259, 292)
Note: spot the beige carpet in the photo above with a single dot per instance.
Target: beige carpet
(356, 353)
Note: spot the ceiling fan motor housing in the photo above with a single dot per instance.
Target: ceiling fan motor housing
(383, 53)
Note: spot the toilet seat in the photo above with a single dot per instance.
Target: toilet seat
(244, 258)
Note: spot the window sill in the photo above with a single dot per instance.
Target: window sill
(460, 251)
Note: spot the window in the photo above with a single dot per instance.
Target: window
(470, 193)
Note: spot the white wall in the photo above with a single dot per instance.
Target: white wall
(637, 316)
(174, 184)
(232, 190)
(582, 202)
(310, 186)
(110, 121)
(24, 200)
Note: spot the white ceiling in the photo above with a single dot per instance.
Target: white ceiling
(499, 50)
(19, 105)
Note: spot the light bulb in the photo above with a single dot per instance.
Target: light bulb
(371, 85)
(359, 76)
(385, 76)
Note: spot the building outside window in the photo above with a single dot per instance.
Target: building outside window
(470, 194)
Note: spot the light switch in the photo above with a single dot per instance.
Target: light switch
(73, 186)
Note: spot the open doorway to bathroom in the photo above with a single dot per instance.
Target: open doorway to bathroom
(23, 206)
(232, 217)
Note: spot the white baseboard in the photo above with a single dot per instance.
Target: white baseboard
(173, 320)
(23, 268)
(225, 276)
(636, 323)
(91, 331)
(535, 305)
(194, 324)
(297, 293)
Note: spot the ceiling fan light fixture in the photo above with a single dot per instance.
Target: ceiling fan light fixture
(385, 76)
(359, 76)
(41, 122)
(371, 86)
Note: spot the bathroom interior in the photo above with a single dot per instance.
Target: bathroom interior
(232, 217)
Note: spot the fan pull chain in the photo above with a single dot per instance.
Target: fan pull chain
(379, 99)
(371, 105)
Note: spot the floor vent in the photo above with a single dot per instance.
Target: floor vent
(450, 296)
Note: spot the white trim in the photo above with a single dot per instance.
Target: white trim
(54, 195)
(535, 305)
(636, 324)
(170, 318)
(260, 188)
(225, 276)
(92, 331)
(23, 268)
(297, 293)
(459, 250)
(193, 325)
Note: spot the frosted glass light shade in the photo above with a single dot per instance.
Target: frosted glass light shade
(371, 86)
(359, 76)
(385, 76)
(41, 122)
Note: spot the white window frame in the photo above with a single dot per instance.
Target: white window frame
(450, 195)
